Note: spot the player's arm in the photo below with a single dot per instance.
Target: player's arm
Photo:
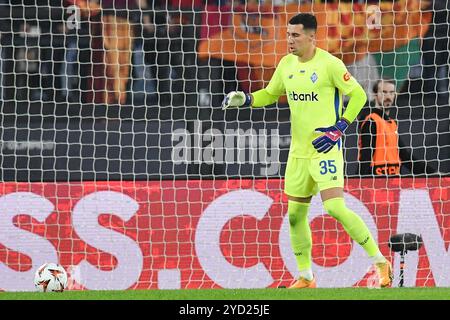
(260, 98)
(256, 99)
(358, 99)
(350, 87)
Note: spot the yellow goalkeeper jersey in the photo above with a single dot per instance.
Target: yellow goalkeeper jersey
(314, 91)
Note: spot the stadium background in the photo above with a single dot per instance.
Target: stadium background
(68, 148)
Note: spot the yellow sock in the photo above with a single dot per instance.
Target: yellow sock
(353, 224)
(300, 233)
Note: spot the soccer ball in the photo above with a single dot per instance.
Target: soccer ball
(50, 277)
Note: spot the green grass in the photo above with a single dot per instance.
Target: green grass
(241, 294)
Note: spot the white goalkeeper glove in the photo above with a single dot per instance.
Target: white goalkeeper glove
(236, 99)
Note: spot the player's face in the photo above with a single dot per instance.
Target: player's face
(386, 94)
(299, 40)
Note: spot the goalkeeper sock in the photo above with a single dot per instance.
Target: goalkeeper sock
(353, 224)
(300, 234)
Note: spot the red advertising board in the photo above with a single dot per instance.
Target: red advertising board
(210, 234)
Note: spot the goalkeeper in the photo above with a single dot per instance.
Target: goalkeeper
(314, 82)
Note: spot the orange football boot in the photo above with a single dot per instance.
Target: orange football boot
(302, 283)
(385, 274)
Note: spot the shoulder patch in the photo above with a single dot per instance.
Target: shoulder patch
(347, 76)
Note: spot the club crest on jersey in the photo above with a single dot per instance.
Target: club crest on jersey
(314, 77)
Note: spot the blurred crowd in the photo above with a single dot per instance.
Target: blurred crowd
(106, 51)
(143, 52)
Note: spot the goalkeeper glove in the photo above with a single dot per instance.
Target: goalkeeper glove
(236, 99)
(326, 142)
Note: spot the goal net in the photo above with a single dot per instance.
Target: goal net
(118, 162)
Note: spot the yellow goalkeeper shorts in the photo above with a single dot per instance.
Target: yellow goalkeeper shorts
(305, 177)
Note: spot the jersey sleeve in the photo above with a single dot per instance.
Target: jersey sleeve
(341, 78)
(276, 85)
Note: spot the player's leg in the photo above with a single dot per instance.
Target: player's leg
(300, 235)
(299, 188)
(334, 204)
(330, 178)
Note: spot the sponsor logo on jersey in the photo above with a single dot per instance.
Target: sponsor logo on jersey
(291, 76)
(303, 96)
(347, 76)
(302, 71)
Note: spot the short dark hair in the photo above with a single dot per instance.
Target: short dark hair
(308, 21)
(375, 86)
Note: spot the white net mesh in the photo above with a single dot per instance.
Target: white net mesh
(118, 162)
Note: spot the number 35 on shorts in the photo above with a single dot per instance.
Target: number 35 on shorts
(327, 166)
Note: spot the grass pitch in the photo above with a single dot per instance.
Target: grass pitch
(241, 294)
